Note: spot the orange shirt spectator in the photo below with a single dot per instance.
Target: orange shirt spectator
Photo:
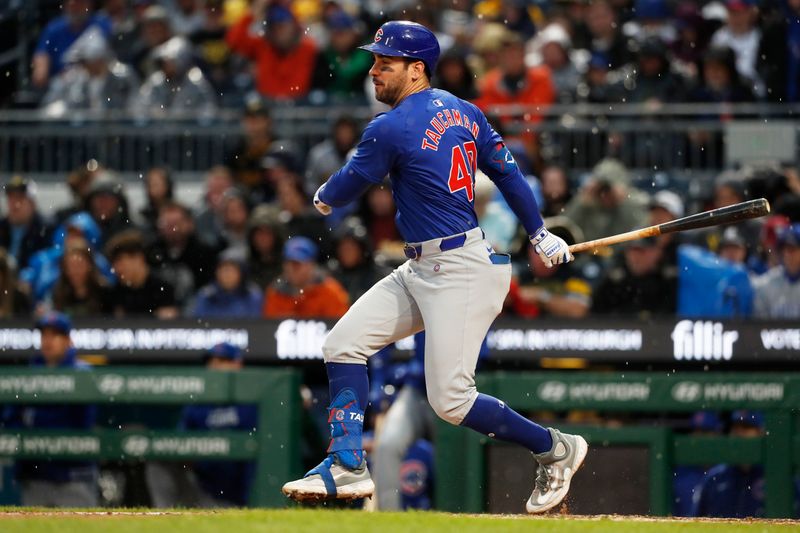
(512, 82)
(284, 58)
(303, 290)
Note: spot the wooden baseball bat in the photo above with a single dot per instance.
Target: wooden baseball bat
(723, 215)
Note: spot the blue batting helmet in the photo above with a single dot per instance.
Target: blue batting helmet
(402, 38)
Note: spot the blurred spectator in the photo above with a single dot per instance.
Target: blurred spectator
(45, 266)
(555, 189)
(691, 40)
(304, 290)
(720, 81)
(283, 56)
(378, 215)
(742, 35)
(606, 35)
(265, 238)
(734, 491)
(215, 57)
(235, 213)
(108, 205)
(138, 291)
(641, 285)
(778, 61)
(78, 182)
(606, 203)
(186, 16)
(512, 82)
(652, 80)
(341, 67)
(124, 24)
(353, 264)
(58, 36)
(686, 479)
(208, 484)
(154, 30)
(231, 294)
(561, 291)
(454, 75)
(81, 290)
(177, 86)
(552, 47)
(245, 158)
(299, 215)
(598, 86)
(651, 19)
(47, 482)
(330, 155)
(94, 80)
(732, 246)
(729, 189)
(208, 221)
(14, 302)
(158, 189)
(666, 206)
(778, 291)
(488, 47)
(498, 223)
(177, 255)
(23, 232)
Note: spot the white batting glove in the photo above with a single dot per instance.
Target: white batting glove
(321, 206)
(552, 250)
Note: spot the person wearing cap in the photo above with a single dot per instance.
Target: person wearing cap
(244, 159)
(732, 246)
(552, 47)
(651, 79)
(108, 205)
(340, 70)
(208, 484)
(23, 231)
(640, 284)
(138, 291)
(177, 86)
(55, 483)
(283, 55)
(304, 290)
(606, 34)
(94, 81)
(735, 491)
(231, 294)
(59, 35)
(742, 35)
(777, 293)
(606, 203)
(177, 255)
(329, 155)
(265, 237)
(666, 206)
(155, 29)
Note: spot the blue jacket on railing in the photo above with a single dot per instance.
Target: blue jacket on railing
(51, 416)
(223, 480)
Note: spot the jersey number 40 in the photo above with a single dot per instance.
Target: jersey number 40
(462, 168)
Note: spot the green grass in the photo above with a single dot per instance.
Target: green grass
(324, 521)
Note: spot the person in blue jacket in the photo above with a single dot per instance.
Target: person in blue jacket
(46, 482)
(210, 483)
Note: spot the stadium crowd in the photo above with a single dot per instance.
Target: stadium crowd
(256, 248)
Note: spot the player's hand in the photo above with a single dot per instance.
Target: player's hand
(321, 206)
(553, 250)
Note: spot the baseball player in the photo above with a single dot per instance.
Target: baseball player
(453, 284)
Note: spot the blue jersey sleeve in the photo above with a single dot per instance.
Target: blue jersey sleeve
(496, 161)
(374, 157)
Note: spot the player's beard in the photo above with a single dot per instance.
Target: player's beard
(388, 94)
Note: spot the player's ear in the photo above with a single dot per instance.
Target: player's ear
(417, 70)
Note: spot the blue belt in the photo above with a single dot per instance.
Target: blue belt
(450, 243)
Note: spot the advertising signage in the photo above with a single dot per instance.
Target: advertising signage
(610, 340)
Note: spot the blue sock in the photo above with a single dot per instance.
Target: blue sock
(494, 418)
(352, 376)
(349, 385)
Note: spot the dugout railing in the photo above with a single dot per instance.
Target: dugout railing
(461, 456)
(273, 445)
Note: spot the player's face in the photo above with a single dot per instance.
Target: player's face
(390, 76)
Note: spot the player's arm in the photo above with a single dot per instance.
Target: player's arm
(371, 162)
(496, 161)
